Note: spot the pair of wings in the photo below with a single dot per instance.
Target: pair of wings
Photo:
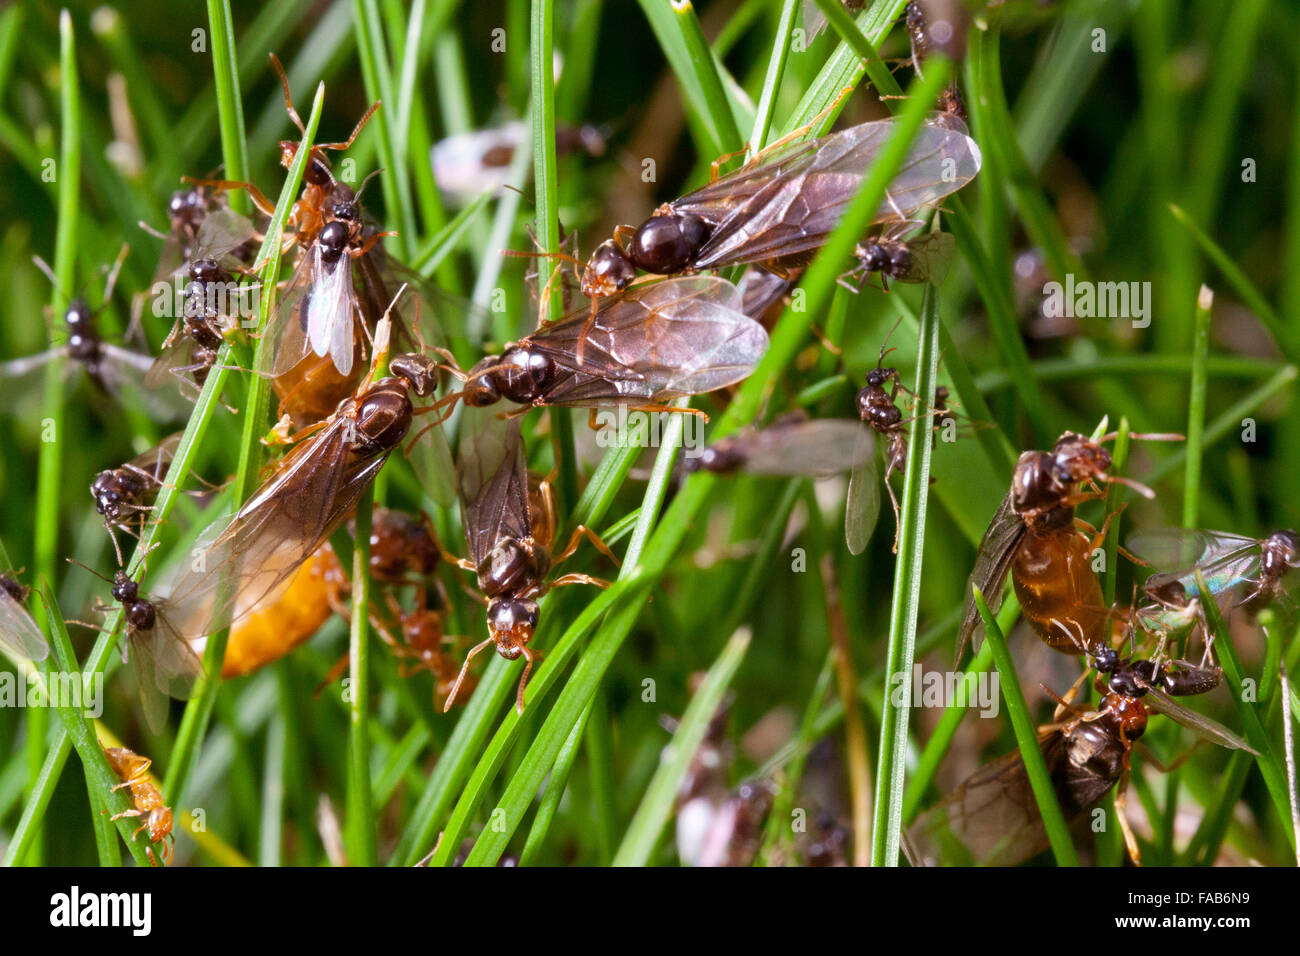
(310, 494)
(493, 482)
(786, 202)
(1224, 559)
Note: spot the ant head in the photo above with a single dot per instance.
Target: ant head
(125, 590)
(78, 313)
(1106, 659)
(608, 271)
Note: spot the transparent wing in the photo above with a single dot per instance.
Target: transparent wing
(312, 491)
(493, 482)
(287, 329)
(792, 200)
(819, 448)
(992, 818)
(862, 504)
(128, 372)
(1223, 559)
(656, 342)
(20, 372)
(176, 668)
(222, 233)
(19, 634)
(992, 562)
(154, 703)
(1199, 724)
(433, 464)
(332, 311)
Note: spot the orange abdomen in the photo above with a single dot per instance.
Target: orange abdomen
(1060, 595)
(311, 390)
(301, 605)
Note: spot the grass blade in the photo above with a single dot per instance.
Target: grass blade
(657, 804)
(890, 766)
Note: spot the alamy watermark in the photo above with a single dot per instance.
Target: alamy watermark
(1101, 300)
(924, 688)
(55, 689)
(621, 427)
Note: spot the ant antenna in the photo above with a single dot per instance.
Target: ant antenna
(288, 100)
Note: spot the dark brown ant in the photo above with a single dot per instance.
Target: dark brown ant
(124, 495)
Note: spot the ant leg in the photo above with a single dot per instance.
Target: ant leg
(567, 579)
(802, 131)
(1065, 704)
(369, 244)
(529, 656)
(288, 100)
(1130, 838)
(578, 533)
(263, 204)
(651, 409)
(723, 159)
(455, 688)
(339, 147)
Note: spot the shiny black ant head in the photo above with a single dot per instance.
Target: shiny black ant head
(1284, 546)
(877, 377)
(125, 591)
(418, 371)
(78, 317)
(666, 245)
(512, 623)
(108, 491)
(187, 207)
(1105, 659)
(333, 239)
(608, 271)
(343, 204)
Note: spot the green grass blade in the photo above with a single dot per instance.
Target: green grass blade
(677, 29)
(1058, 833)
(657, 805)
(890, 766)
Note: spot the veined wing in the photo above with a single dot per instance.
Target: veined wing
(19, 634)
(1224, 559)
(1199, 724)
(796, 209)
(992, 819)
(332, 311)
(992, 562)
(312, 491)
(493, 482)
(223, 231)
(795, 445)
(287, 329)
(862, 503)
(653, 343)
